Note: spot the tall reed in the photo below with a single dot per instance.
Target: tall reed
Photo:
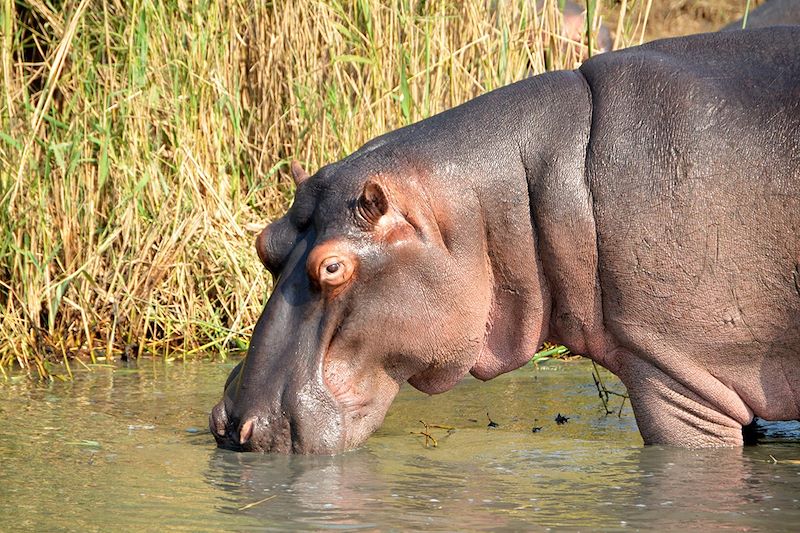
(143, 143)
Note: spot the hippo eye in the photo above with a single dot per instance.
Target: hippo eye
(334, 271)
(331, 266)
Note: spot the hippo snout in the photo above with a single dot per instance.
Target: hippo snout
(252, 433)
(307, 423)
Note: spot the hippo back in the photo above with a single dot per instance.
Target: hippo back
(772, 13)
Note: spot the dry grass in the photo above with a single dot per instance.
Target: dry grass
(143, 143)
(670, 18)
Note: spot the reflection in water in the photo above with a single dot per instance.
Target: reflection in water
(723, 488)
(128, 449)
(354, 490)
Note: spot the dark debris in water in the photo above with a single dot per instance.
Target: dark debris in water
(492, 423)
(536, 429)
(561, 420)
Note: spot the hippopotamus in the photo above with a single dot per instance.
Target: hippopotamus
(643, 210)
(771, 13)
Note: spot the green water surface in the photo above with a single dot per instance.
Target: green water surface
(127, 449)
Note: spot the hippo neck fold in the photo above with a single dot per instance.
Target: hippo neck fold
(540, 232)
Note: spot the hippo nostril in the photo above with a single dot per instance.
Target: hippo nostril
(246, 431)
(218, 420)
(212, 425)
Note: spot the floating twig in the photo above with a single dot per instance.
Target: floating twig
(427, 432)
(621, 405)
(601, 392)
(428, 437)
(436, 426)
(249, 505)
(785, 461)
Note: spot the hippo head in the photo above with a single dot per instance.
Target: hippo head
(380, 277)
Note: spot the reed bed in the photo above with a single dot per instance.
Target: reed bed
(144, 143)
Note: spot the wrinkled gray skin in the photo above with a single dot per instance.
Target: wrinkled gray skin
(772, 13)
(643, 210)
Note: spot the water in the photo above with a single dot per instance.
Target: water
(128, 450)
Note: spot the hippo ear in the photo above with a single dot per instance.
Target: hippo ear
(373, 202)
(298, 173)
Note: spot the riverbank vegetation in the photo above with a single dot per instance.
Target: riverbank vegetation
(143, 144)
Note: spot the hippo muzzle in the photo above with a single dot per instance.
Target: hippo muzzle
(276, 399)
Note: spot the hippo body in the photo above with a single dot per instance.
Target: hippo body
(771, 13)
(644, 210)
(698, 233)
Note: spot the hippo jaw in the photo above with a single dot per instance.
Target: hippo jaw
(299, 412)
(322, 422)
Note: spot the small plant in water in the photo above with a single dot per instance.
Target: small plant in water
(430, 440)
(550, 351)
(605, 393)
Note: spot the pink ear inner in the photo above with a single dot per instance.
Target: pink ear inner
(373, 202)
